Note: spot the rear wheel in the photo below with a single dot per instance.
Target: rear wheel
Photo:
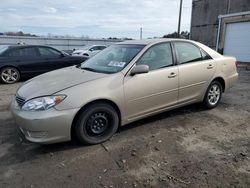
(96, 124)
(9, 75)
(213, 95)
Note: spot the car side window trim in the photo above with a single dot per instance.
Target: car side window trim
(174, 55)
(192, 61)
(203, 51)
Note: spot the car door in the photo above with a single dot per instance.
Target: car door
(196, 68)
(27, 60)
(53, 59)
(153, 91)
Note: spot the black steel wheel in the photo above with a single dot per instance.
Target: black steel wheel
(96, 124)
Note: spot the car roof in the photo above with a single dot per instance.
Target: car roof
(26, 45)
(150, 41)
(147, 42)
(97, 45)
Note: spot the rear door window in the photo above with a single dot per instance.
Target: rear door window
(188, 52)
(23, 52)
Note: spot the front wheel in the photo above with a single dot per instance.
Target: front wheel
(96, 124)
(213, 95)
(9, 75)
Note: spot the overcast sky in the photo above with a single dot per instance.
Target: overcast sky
(95, 18)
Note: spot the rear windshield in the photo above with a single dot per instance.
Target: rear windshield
(3, 49)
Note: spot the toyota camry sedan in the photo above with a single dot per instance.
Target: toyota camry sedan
(123, 83)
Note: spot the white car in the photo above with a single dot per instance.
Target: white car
(89, 51)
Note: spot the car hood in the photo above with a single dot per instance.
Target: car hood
(55, 81)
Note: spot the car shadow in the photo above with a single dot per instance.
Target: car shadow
(193, 108)
(23, 150)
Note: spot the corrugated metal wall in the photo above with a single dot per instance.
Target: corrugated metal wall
(204, 25)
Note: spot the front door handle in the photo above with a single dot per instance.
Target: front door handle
(172, 75)
(210, 66)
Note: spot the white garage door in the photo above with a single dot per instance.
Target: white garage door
(237, 41)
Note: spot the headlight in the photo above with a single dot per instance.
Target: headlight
(43, 103)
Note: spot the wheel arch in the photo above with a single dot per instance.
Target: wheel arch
(13, 66)
(107, 101)
(221, 81)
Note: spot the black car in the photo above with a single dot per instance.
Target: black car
(26, 61)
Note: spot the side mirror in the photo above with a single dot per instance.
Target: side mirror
(62, 55)
(139, 69)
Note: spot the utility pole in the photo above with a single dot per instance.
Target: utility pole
(179, 23)
(141, 33)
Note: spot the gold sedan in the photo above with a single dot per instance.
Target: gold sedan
(121, 84)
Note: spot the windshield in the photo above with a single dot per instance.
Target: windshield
(112, 59)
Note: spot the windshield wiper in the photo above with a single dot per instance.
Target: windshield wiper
(89, 69)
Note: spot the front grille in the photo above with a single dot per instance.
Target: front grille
(20, 101)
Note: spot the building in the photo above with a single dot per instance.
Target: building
(223, 25)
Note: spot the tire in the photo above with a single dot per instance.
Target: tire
(9, 75)
(213, 95)
(96, 124)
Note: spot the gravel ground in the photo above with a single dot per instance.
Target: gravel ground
(187, 147)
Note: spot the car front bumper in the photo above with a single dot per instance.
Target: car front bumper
(46, 127)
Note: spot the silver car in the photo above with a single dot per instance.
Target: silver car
(89, 51)
(123, 83)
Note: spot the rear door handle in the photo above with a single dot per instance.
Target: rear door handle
(210, 66)
(172, 75)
